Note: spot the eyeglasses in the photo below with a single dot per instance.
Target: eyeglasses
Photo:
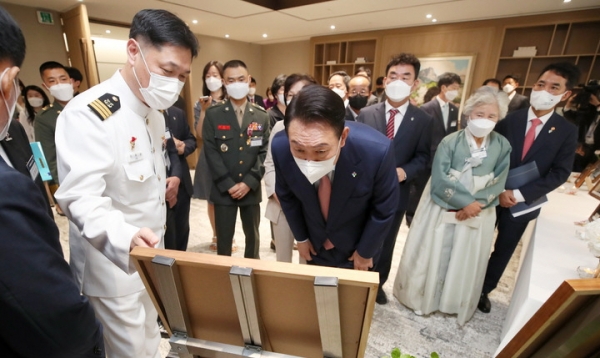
(362, 92)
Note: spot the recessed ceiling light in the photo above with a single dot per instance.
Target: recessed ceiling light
(194, 21)
(227, 35)
(434, 20)
(567, 1)
(332, 27)
(108, 31)
(428, 16)
(265, 35)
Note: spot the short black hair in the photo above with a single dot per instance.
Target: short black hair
(161, 27)
(566, 70)
(492, 80)
(293, 79)
(74, 73)
(278, 82)
(234, 64)
(50, 65)
(405, 59)
(448, 78)
(219, 66)
(252, 80)
(12, 41)
(516, 79)
(317, 104)
(379, 81)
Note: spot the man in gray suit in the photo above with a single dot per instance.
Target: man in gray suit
(517, 101)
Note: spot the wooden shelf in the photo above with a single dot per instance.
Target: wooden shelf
(575, 42)
(344, 53)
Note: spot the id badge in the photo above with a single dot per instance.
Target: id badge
(167, 134)
(32, 167)
(479, 153)
(256, 142)
(453, 124)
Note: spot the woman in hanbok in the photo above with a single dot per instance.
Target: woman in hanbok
(448, 246)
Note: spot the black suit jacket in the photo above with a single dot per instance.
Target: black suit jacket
(553, 152)
(518, 102)
(258, 100)
(176, 121)
(412, 143)
(19, 152)
(349, 116)
(43, 312)
(439, 128)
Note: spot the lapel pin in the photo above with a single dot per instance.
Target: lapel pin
(412, 118)
(551, 130)
(354, 174)
(132, 142)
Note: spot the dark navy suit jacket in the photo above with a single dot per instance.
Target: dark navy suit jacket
(41, 308)
(412, 143)
(364, 195)
(177, 123)
(553, 152)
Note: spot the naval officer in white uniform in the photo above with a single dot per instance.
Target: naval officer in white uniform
(111, 165)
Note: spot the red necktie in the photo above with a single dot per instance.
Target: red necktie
(324, 193)
(530, 136)
(389, 130)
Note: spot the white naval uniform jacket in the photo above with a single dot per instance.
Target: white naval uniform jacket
(112, 183)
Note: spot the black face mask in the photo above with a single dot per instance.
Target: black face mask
(358, 101)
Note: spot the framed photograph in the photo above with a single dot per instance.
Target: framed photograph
(592, 171)
(432, 67)
(595, 191)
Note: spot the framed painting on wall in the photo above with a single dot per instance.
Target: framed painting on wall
(433, 66)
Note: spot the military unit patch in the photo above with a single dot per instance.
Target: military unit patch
(105, 105)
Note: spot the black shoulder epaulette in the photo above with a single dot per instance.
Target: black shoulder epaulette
(105, 105)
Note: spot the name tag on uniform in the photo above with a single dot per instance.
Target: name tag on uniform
(479, 153)
(256, 142)
(135, 156)
(32, 167)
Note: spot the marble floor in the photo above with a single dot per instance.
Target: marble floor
(393, 324)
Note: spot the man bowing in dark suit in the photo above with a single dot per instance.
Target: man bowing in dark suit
(335, 180)
(409, 129)
(536, 134)
(178, 217)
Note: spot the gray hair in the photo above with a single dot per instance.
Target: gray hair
(345, 76)
(487, 95)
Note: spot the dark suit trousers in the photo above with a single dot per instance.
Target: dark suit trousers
(384, 264)
(417, 187)
(509, 235)
(225, 217)
(178, 223)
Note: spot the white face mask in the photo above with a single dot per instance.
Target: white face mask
(62, 91)
(213, 84)
(252, 91)
(480, 127)
(397, 90)
(543, 100)
(339, 92)
(162, 92)
(238, 90)
(451, 95)
(280, 98)
(10, 108)
(35, 101)
(313, 171)
(508, 88)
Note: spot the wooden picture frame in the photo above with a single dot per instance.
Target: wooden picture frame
(568, 322)
(595, 191)
(197, 297)
(592, 171)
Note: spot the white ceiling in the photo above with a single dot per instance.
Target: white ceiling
(247, 22)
